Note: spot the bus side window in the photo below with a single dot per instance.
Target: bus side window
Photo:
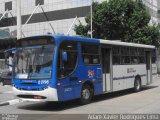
(65, 68)
(141, 55)
(125, 55)
(116, 55)
(134, 55)
(90, 53)
(153, 56)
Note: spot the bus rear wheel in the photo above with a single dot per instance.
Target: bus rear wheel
(86, 94)
(137, 84)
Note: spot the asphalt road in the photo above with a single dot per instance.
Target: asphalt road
(123, 102)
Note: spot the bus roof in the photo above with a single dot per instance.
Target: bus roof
(101, 41)
(111, 42)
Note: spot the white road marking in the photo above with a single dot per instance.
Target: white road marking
(15, 101)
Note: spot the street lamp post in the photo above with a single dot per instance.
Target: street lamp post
(19, 21)
(92, 18)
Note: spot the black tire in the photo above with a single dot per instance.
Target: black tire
(86, 94)
(137, 84)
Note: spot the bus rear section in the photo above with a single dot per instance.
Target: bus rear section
(127, 66)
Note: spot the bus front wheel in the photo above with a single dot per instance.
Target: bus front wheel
(137, 84)
(86, 94)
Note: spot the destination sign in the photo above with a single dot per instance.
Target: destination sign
(35, 41)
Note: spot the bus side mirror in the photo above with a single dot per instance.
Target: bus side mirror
(64, 56)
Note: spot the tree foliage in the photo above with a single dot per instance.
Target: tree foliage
(126, 20)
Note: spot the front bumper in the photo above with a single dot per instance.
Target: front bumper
(50, 94)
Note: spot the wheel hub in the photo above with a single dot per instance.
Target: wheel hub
(137, 85)
(86, 94)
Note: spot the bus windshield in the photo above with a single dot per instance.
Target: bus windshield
(34, 63)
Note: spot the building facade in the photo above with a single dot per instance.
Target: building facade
(154, 8)
(51, 14)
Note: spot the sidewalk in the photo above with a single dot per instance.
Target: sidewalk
(6, 93)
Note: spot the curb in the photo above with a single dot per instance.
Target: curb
(11, 102)
(4, 104)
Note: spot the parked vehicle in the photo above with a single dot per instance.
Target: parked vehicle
(3, 68)
(6, 78)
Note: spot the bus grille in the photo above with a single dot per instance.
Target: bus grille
(30, 96)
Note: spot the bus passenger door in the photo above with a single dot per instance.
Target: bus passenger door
(68, 78)
(106, 65)
(148, 67)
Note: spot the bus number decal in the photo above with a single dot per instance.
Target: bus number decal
(67, 89)
(43, 82)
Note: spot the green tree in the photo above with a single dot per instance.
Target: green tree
(126, 20)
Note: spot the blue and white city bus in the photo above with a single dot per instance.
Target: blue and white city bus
(62, 68)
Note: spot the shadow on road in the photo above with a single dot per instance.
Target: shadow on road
(120, 93)
(60, 106)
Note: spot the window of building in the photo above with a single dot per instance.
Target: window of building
(66, 68)
(8, 5)
(40, 2)
(90, 54)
